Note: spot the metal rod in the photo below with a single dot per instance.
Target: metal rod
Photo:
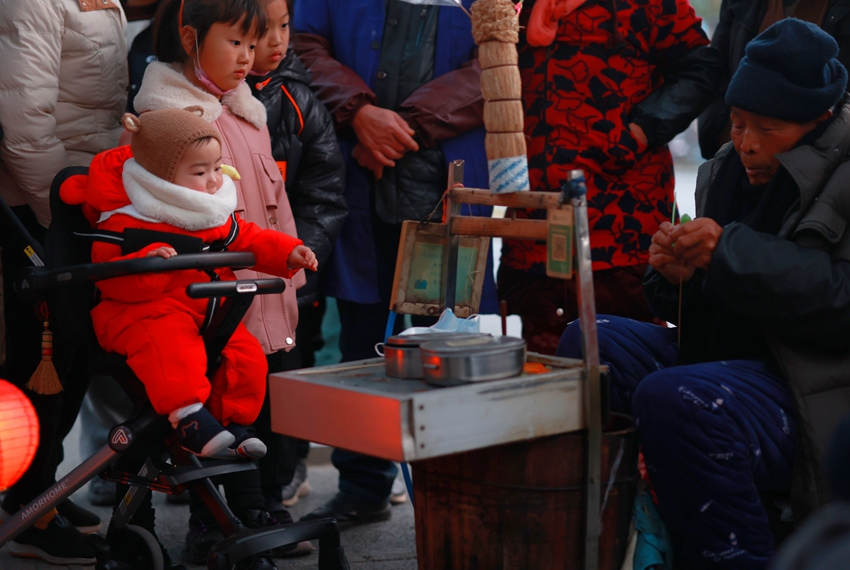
(32, 249)
(452, 241)
(592, 388)
(229, 522)
(134, 497)
(61, 490)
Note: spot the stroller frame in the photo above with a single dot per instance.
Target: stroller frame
(148, 436)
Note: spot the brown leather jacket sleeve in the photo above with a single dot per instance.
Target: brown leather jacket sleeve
(447, 106)
(341, 90)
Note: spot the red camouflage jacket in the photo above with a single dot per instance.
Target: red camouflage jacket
(581, 93)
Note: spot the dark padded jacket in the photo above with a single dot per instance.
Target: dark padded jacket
(305, 146)
(792, 291)
(739, 23)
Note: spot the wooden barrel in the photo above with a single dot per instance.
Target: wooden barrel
(521, 506)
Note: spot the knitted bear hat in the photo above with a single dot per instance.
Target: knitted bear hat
(161, 137)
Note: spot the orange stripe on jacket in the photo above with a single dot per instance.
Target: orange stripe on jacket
(297, 110)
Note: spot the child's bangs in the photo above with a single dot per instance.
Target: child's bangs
(250, 14)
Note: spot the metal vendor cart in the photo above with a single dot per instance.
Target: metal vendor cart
(507, 473)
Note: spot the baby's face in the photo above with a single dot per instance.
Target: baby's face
(200, 167)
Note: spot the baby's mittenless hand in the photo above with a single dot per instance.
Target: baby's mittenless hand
(302, 257)
(163, 251)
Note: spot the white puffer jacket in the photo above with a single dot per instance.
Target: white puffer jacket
(63, 88)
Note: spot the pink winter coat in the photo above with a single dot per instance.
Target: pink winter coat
(261, 194)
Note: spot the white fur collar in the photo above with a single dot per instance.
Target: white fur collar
(155, 199)
(165, 87)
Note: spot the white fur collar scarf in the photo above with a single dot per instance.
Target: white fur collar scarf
(156, 200)
(165, 87)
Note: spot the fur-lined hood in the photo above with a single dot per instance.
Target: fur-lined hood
(165, 87)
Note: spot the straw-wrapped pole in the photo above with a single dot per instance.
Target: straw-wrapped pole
(495, 27)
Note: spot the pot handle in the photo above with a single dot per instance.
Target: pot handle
(379, 351)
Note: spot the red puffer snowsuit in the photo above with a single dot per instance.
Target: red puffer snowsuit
(150, 319)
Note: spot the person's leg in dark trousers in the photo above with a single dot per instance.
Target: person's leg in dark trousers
(367, 479)
(278, 466)
(286, 455)
(56, 413)
(309, 332)
(365, 482)
(631, 349)
(713, 435)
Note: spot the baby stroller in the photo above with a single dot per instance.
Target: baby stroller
(66, 282)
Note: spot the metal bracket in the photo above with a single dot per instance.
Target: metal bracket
(590, 348)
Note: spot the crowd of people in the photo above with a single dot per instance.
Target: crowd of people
(307, 131)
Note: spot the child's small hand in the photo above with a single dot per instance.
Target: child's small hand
(302, 257)
(164, 252)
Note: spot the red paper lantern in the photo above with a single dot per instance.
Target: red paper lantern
(18, 434)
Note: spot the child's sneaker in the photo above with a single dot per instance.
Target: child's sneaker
(245, 445)
(202, 435)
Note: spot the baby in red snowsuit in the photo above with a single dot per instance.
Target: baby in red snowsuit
(173, 182)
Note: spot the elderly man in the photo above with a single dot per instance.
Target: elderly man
(759, 285)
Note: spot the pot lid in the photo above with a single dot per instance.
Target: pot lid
(414, 340)
(471, 346)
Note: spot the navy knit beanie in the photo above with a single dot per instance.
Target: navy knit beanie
(789, 72)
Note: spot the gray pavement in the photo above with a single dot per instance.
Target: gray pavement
(382, 546)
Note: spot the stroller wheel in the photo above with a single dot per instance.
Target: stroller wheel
(137, 548)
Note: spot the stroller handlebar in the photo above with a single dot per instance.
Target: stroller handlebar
(33, 281)
(233, 288)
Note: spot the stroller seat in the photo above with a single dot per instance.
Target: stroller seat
(146, 441)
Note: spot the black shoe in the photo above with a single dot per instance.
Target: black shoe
(201, 434)
(256, 518)
(101, 493)
(256, 562)
(279, 516)
(60, 543)
(350, 511)
(86, 521)
(202, 535)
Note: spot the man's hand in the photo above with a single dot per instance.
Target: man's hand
(696, 242)
(384, 134)
(662, 256)
(302, 257)
(367, 160)
(164, 251)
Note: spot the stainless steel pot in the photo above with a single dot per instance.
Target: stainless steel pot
(459, 361)
(401, 352)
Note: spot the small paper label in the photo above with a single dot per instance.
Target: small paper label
(508, 174)
(559, 243)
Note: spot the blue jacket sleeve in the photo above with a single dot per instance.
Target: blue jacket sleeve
(312, 17)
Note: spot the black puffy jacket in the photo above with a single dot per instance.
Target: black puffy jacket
(739, 23)
(305, 146)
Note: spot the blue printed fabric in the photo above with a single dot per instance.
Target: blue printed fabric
(713, 435)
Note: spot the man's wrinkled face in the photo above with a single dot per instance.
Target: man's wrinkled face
(758, 139)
